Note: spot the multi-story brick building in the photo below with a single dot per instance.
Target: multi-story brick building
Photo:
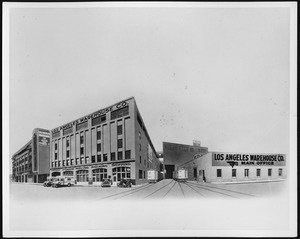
(110, 143)
(31, 162)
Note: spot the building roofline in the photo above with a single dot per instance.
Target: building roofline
(22, 148)
(186, 145)
(132, 97)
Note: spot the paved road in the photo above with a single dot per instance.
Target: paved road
(165, 189)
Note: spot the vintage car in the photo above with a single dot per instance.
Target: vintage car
(106, 182)
(61, 181)
(125, 183)
(48, 182)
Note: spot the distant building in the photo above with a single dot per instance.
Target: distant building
(110, 143)
(236, 167)
(176, 154)
(31, 162)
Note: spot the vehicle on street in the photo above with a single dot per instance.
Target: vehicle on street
(181, 175)
(48, 182)
(61, 181)
(125, 183)
(106, 182)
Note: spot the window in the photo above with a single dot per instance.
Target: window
(81, 139)
(55, 146)
(280, 172)
(98, 134)
(81, 151)
(119, 130)
(246, 172)
(93, 159)
(87, 160)
(120, 155)
(269, 172)
(72, 161)
(98, 147)
(144, 174)
(81, 160)
(140, 159)
(99, 174)
(98, 120)
(233, 173)
(99, 158)
(119, 113)
(258, 172)
(55, 156)
(77, 161)
(68, 142)
(140, 136)
(52, 164)
(58, 163)
(191, 150)
(145, 162)
(219, 173)
(81, 125)
(127, 154)
(113, 156)
(140, 147)
(104, 157)
(68, 153)
(120, 143)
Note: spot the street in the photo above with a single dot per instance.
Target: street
(162, 205)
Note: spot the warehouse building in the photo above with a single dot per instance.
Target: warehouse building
(31, 162)
(236, 167)
(110, 143)
(176, 154)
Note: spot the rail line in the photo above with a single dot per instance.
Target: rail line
(214, 191)
(132, 190)
(169, 189)
(181, 189)
(160, 189)
(228, 190)
(195, 190)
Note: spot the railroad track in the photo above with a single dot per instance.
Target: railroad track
(222, 189)
(128, 191)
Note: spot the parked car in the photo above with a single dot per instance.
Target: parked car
(49, 182)
(63, 181)
(125, 183)
(106, 182)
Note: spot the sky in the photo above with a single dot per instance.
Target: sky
(218, 75)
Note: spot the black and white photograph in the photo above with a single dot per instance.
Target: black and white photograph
(149, 119)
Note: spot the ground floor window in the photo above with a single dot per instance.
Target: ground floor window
(140, 174)
(219, 173)
(246, 172)
(269, 172)
(258, 172)
(280, 172)
(121, 172)
(68, 173)
(233, 173)
(82, 175)
(99, 174)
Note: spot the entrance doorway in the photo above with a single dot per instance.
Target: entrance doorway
(169, 171)
(202, 175)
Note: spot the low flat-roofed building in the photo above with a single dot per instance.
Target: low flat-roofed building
(236, 167)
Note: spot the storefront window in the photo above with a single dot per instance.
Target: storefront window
(99, 174)
(121, 172)
(82, 175)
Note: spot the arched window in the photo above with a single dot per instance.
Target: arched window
(68, 173)
(82, 175)
(54, 174)
(121, 172)
(99, 174)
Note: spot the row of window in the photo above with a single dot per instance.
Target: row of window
(95, 121)
(94, 159)
(119, 145)
(246, 172)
